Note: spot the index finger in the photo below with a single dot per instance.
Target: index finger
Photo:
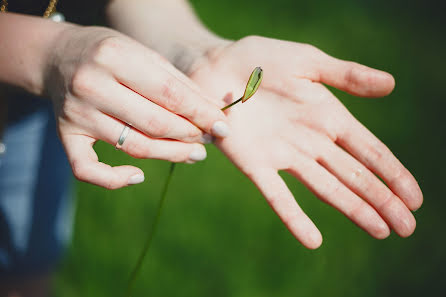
(145, 72)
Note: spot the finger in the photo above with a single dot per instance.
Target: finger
(330, 190)
(364, 183)
(151, 119)
(86, 167)
(371, 152)
(138, 145)
(143, 73)
(283, 203)
(354, 78)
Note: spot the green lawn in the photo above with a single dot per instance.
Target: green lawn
(217, 235)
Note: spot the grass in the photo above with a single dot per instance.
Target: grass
(221, 238)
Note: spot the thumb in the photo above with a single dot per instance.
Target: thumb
(354, 78)
(86, 167)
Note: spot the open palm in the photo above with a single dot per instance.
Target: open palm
(294, 123)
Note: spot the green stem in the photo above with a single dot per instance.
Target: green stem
(233, 103)
(148, 242)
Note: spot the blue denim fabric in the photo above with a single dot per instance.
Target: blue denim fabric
(36, 207)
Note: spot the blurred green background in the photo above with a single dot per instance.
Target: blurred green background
(217, 235)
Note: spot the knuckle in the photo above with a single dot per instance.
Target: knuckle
(252, 39)
(112, 184)
(172, 99)
(387, 202)
(373, 153)
(68, 109)
(79, 114)
(194, 133)
(82, 82)
(357, 211)
(352, 73)
(195, 112)
(178, 157)
(201, 115)
(157, 128)
(400, 175)
(136, 150)
(106, 50)
(311, 51)
(332, 189)
(80, 170)
(361, 180)
(310, 48)
(158, 58)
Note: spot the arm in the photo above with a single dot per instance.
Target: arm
(94, 78)
(293, 124)
(168, 26)
(25, 43)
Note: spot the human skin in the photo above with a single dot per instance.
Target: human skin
(293, 124)
(94, 77)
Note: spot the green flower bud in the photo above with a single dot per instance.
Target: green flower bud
(253, 84)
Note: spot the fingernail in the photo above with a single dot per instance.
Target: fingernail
(220, 129)
(198, 154)
(206, 138)
(136, 179)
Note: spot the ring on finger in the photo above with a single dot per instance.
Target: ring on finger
(122, 137)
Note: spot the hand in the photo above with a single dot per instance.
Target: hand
(294, 123)
(100, 81)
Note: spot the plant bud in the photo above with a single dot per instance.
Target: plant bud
(253, 83)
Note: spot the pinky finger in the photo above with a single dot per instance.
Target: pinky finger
(283, 203)
(86, 167)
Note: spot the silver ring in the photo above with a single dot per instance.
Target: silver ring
(122, 137)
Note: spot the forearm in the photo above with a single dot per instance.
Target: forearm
(168, 26)
(25, 44)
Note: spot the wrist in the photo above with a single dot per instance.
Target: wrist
(183, 40)
(47, 55)
(26, 44)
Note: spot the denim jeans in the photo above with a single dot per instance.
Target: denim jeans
(36, 206)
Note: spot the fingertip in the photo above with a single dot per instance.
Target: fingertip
(381, 231)
(390, 82)
(408, 227)
(368, 82)
(220, 129)
(136, 179)
(308, 235)
(316, 241)
(409, 191)
(129, 175)
(382, 83)
(417, 199)
(198, 153)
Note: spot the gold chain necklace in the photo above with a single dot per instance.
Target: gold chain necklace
(50, 10)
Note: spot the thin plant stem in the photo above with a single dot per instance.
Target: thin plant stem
(149, 239)
(233, 103)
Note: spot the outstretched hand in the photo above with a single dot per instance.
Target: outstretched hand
(295, 124)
